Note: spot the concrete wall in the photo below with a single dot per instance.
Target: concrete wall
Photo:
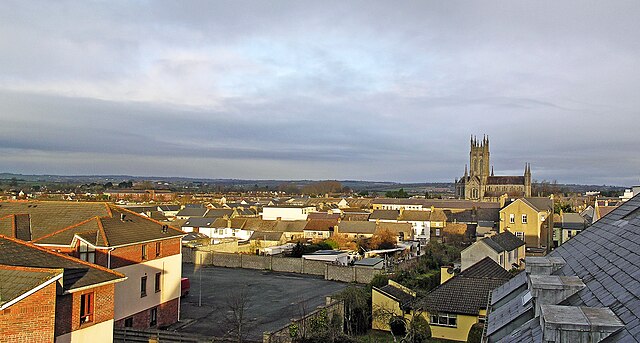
(305, 324)
(286, 265)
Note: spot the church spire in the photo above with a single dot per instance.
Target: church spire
(465, 171)
(491, 170)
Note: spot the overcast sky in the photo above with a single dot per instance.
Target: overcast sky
(367, 90)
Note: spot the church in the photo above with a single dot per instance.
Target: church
(480, 184)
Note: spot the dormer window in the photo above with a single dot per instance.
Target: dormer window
(86, 252)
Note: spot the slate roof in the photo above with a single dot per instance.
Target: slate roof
(192, 212)
(199, 222)
(540, 203)
(573, 221)
(16, 281)
(384, 215)
(77, 273)
(505, 180)
(415, 216)
(467, 292)
(357, 227)
(101, 224)
(169, 208)
(221, 212)
(266, 236)
(606, 256)
(505, 241)
(397, 294)
(322, 215)
(530, 331)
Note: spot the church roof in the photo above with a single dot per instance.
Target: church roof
(505, 180)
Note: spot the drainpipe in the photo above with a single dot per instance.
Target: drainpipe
(109, 257)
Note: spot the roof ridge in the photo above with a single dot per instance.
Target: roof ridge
(65, 229)
(101, 229)
(30, 269)
(66, 257)
(148, 218)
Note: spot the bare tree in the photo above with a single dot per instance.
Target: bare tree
(237, 319)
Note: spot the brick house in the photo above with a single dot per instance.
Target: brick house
(47, 296)
(148, 252)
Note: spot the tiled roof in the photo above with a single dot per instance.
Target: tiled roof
(215, 213)
(77, 273)
(540, 203)
(606, 256)
(290, 225)
(200, 222)
(57, 223)
(415, 216)
(16, 281)
(467, 292)
(322, 215)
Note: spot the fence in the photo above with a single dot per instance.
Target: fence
(332, 312)
(281, 264)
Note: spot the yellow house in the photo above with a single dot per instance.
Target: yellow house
(388, 301)
(530, 219)
(461, 301)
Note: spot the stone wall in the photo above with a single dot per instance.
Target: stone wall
(301, 327)
(281, 264)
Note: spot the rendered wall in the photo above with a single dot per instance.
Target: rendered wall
(101, 332)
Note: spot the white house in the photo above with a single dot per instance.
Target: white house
(287, 212)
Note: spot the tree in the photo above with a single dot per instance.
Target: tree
(397, 194)
(237, 319)
(384, 239)
(357, 309)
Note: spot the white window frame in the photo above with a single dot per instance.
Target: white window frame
(524, 219)
(450, 319)
(512, 218)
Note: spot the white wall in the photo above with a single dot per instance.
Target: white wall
(127, 297)
(101, 332)
(476, 252)
(286, 213)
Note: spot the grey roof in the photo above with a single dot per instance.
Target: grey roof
(266, 236)
(169, 208)
(573, 221)
(77, 273)
(467, 292)
(504, 241)
(192, 212)
(369, 262)
(397, 294)
(513, 309)
(509, 287)
(540, 203)
(530, 331)
(199, 222)
(606, 256)
(16, 281)
(385, 215)
(219, 212)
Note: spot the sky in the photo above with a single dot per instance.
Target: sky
(359, 90)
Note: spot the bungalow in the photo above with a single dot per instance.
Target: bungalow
(391, 300)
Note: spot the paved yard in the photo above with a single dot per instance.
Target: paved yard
(274, 298)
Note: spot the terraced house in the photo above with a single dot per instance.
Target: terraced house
(147, 252)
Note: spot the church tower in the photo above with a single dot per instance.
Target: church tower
(527, 180)
(479, 158)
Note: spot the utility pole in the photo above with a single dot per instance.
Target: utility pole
(200, 282)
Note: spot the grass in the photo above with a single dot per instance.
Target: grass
(375, 336)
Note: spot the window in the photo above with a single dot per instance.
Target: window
(158, 276)
(520, 235)
(87, 252)
(144, 252)
(512, 218)
(445, 319)
(501, 259)
(437, 232)
(128, 322)
(524, 219)
(158, 248)
(143, 286)
(86, 308)
(153, 318)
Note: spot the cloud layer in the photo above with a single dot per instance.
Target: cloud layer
(348, 90)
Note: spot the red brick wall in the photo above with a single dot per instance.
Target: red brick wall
(132, 254)
(167, 315)
(68, 309)
(32, 319)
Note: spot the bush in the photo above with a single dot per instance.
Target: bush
(475, 333)
(397, 326)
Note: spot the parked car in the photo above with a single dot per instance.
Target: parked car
(185, 285)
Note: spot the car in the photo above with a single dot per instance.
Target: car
(185, 285)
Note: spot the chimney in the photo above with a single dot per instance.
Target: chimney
(577, 324)
(553, 289)
(122, 216)
(543, 265)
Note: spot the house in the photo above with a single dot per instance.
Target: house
(189, 212)
(356, 229)
(199, 224)
(231, 228)
(47, 296)
(422, 221)
(505, 249)
(384, 215)
(320, 228)
(530, 219)
(461, 301)
(396, 204)
(140, 195)
(566, 226)
(391, 300)
(260, 240)
(169, 210)
(287, 212)
(454, 233)
(592, 281)
(330, 256)
(146, 251)
(602, 207)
